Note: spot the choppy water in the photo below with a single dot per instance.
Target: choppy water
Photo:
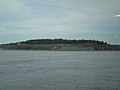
(59, 70)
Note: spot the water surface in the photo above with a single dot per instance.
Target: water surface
(59, 70)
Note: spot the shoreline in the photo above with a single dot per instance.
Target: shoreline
(58, 50)
(60, 45)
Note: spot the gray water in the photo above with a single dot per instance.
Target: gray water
(59, 70)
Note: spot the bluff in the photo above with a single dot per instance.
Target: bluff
(60, 45)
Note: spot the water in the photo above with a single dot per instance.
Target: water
(59, 70)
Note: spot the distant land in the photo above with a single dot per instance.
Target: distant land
(60, 45)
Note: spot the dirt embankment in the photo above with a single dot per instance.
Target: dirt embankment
(60, 47)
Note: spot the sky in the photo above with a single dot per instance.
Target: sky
(69, 19)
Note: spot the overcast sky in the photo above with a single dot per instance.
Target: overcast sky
(70, 19)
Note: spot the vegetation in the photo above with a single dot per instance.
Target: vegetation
(60, 41)
(60, 44)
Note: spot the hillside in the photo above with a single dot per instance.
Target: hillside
(60, 45)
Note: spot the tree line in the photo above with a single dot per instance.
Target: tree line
(61, 41)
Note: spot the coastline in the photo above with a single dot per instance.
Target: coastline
(59, 47)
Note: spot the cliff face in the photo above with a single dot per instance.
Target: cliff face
(60, 45)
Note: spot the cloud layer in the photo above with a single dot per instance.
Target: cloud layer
(26, 19)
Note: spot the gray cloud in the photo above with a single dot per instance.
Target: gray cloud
(36, 17)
